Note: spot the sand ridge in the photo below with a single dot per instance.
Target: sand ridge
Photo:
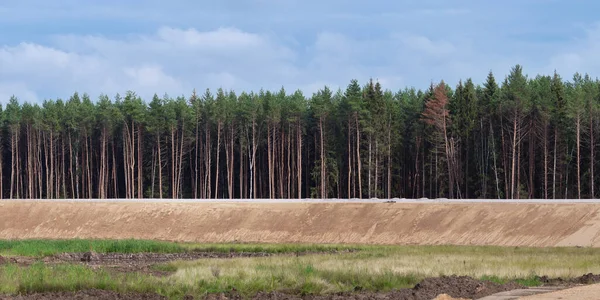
(503, 224)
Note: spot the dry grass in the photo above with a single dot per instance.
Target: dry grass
(373, 268)
(379, 264)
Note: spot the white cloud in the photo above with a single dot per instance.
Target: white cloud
(17, 89)
(425, 44)
(221, 39)
(172, 61)
(148, 77)
(580, 56)
(176, 60)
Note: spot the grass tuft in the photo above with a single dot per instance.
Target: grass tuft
(40, 248)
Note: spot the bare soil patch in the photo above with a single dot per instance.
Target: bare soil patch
(585, 279)
(85, 295)
(16, 260)
(141, 262)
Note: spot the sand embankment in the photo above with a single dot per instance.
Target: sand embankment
(506, 224)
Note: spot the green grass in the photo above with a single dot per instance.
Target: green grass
(373, 268)
(66, 277)
(39, 248)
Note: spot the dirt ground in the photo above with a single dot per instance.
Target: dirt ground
(500, 224)
(138, 262)
(141, 262)
(85, 295)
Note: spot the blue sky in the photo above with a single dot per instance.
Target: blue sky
(50, 49)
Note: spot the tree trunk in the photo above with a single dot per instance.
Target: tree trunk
(358, 159)
(376, 168)
(229, 153)
(299, 157)
(29, 162)
(545, 161)
(40, 140)
(242, 169)
(592, 146)
(448, 160)
(323, 191)
(289, 171)
(270, 160)
(281, 164)
(89, 167)
(495, 165)
(196, 158)
(370, 165)
(160, 166)
(531, 162)
(140, 174)
(126, 161)
(73, 180)
(208, 163)
(554, 167)
(389, 164)
(48, 194)
(102, 173)
(180, 163)
(253, 162)
(578, 130)
(218, 155)
(349, 161)
(273, 160)
(52, 176)
(173, 164)
(62, 168)
(514, 159)
(518, 181)
(114, 172)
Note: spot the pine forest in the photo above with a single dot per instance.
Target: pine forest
(517, 137)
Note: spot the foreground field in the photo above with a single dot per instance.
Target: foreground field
(499, 224)
(157, 269)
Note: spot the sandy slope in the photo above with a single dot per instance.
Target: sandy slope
(588, 292)
(509, 224)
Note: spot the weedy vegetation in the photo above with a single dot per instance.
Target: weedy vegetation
(365, 268)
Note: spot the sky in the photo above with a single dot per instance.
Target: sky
(52, 49)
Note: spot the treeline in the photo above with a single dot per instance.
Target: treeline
(521, 138)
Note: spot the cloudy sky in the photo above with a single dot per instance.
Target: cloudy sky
(50, 49)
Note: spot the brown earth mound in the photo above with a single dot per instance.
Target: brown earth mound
(446, 297)
(146, 258)
(85, 295)
(502, 224)
(585, 279)
(7, 260)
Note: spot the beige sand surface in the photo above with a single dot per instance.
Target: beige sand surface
(506, 224)
(589, 292)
